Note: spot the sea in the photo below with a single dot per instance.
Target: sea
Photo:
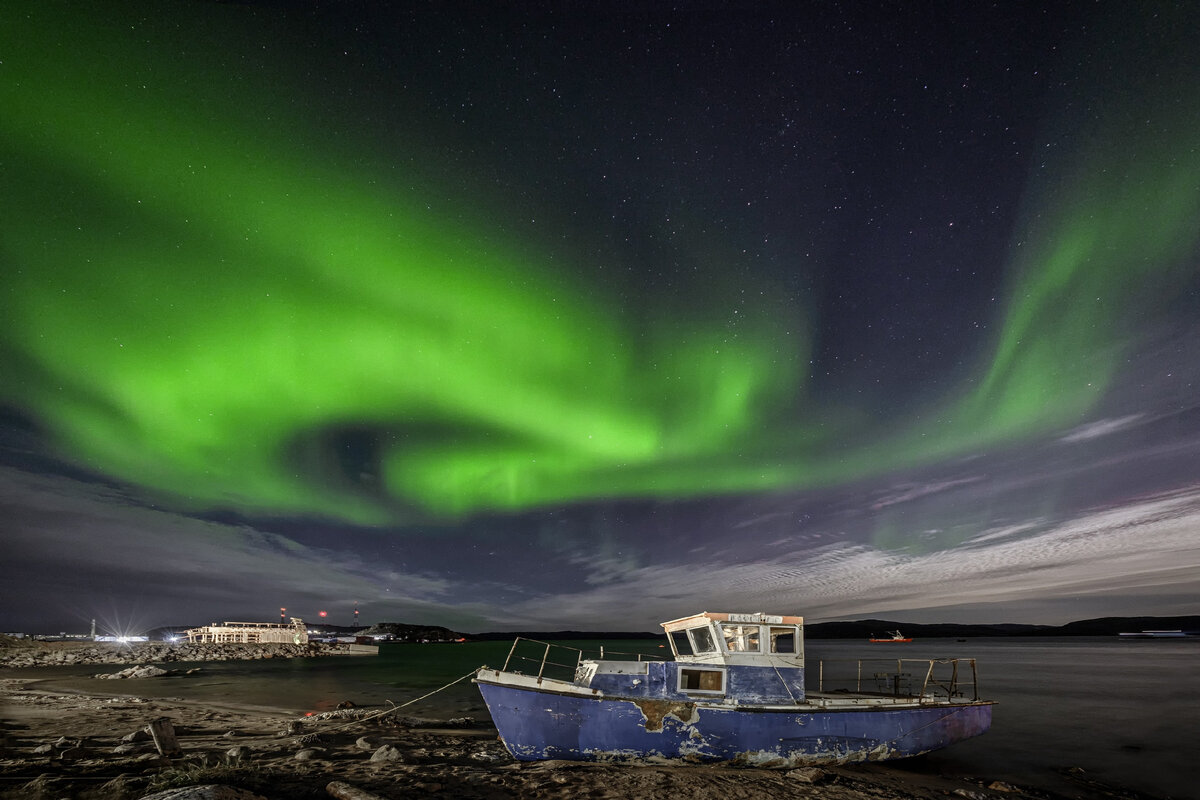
(1126, 713)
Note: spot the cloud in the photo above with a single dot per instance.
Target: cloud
(1147, 547)
(1104, 427)
(912, 491)
(87, 541)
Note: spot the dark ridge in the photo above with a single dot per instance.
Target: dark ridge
(492, 636)
(864, 629)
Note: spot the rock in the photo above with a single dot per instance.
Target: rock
(75, 754)
(237, 753)
(345, 791)
(807, 775)
(125, 749)
(387, 753)
(140, 671)
(308, 754)
(211, 791)
(43, 750)
(970, 795)
(1001, 786)
(140, 735)
(368, 742)
(120, 788)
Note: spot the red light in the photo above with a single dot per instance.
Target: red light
(322, 613)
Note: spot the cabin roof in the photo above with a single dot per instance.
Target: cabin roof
(755, 618)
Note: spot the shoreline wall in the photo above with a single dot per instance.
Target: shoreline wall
(164, 652)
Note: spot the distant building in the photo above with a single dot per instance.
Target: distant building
(250, 633)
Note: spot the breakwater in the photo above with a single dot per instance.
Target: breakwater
(38, 654)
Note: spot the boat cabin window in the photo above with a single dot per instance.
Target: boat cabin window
(702, 640)
(783, 640)
(680, 643)
(696, 680)
(740, 638)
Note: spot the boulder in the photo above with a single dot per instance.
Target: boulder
(138, 671)
(75, 754)
(387, 753)
(237, 752)
(807, 775)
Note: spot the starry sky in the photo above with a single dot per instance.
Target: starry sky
(556, 315)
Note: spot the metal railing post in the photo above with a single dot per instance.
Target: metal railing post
(511, 650)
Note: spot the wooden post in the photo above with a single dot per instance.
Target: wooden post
(163, 733)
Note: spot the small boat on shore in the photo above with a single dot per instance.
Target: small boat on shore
(734, 691)
(893, 636)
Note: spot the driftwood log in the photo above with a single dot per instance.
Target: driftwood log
(163, 733)
(344, 791)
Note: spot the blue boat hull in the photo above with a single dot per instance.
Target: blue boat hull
(536, 725)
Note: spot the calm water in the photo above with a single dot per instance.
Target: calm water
(1126, 712)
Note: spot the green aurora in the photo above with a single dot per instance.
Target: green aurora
(212, 299)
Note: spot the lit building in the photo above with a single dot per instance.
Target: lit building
(250, 633)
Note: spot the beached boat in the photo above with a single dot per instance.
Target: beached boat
(893, 636)
(734, 691)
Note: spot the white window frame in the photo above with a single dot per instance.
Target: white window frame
(725, 642)
(714, 692)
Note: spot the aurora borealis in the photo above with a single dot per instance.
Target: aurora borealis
(488, 318)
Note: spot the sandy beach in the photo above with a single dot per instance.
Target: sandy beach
(93, 745)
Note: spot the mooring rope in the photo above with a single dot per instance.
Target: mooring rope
(396, 708)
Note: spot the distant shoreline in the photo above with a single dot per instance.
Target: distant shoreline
(864, 629)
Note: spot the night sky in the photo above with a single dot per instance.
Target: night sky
(595, 315)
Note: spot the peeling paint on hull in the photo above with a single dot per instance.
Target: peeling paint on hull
(536, 725)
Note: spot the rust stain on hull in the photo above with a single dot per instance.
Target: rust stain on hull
(655, 711)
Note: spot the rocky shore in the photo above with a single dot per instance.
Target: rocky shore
(56, 746)
(46, 654)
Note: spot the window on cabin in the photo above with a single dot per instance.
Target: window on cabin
(702, 640)
(741, 638)
(682, 644)
(702, 680)
(783, 640)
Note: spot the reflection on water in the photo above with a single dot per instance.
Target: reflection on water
(1124, 711)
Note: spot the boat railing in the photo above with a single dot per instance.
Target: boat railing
(901, 679)
(559, 661)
